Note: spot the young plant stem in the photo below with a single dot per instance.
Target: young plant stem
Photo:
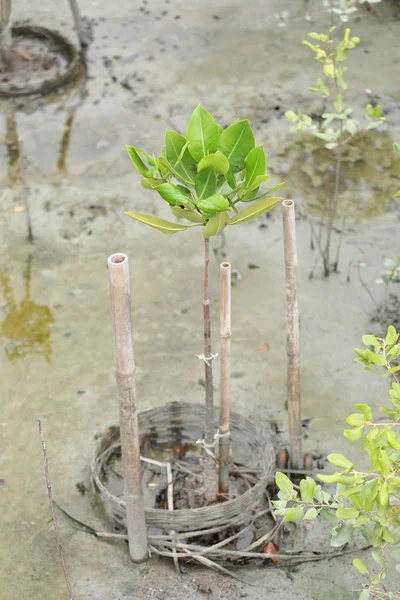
(293, 337)
(118, 270)
(224, 361)
(210, 467)
(53, 514)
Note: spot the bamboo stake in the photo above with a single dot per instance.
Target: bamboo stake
(293, 342)
(118, 270)
(224, 381)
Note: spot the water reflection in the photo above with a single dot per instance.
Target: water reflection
(27, 325)
(369, 175)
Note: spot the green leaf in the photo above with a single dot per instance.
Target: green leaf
(203, 133)
(351, 126)
(213, 204)
(292, 116)
(347, 513)
(230, 179)
(339, 103)
(175, 195)
(136, 160)
(383, 494)
(376, 359)
(392, 336)
(397, 148)
(338, 460)
(338, 478)
(216, 160)
(235, 143)
(257, 182)
(377, 558)
(256, 164)
(362, 520)
(284, 484)
(370, 491)
(371, 340)
(205, 183)
(255, 210)
(355, 419)
(164, 226)
(342, 535)
(311, 514)
(183, 164)
(354, 434)
(215, 225)
(307, 488)
(151, 183)
(189, 215)
(294, 514)
(360, 566)
(366, 410)
(393, 439)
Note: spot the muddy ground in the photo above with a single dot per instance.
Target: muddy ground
(148, 66)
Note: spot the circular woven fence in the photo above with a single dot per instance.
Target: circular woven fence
(252, 454)
(43, 84)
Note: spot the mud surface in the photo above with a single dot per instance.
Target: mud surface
(148, 66)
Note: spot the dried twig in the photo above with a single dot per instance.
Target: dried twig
(53, 514)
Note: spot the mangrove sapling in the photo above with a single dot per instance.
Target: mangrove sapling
(365, 500)
(336, 127)
(203, 177)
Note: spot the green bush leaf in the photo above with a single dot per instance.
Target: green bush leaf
(338, 478)
(383, 494)
(255, 210)
(360, 566)
(366, 410)
(378, 558)
(355, 419)
(284, 484)
(183, 164)
(307, 488)
(311, 514)
(213, 204)
(256, 164)
(294, 514)
(347, 513)
(341, 535)
(230, 179)
(175, 195)
(189, 215)
(371, 340)
(203, 133)
(164, 226)
(393, 439)
(216, 160)
(339, 103)
(370, 491)
(205, 183)
(215, 225)
(338, 460)
(136, 160)
(236, 142)
(354, 434)
(392, 336)
(257, 182)
(376, 359)
(150, 183)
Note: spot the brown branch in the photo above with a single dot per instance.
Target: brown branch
(53, 514)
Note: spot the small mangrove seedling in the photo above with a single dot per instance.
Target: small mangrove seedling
(335, 127)
(204, 177)
(367, 500)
